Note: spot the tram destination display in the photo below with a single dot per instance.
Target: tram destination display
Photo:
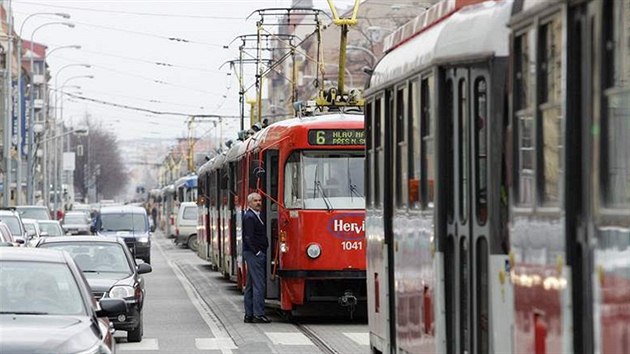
(336, 137)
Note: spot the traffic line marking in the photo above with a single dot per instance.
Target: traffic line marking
(202, 308)
(214, 343)
(146, 344)
(287, 338)
(361, 338)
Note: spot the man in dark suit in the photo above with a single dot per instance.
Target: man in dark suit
(255, 246)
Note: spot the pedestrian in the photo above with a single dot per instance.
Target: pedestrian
(154, 214)
(255, 253)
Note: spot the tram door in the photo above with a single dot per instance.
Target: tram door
(271, 164)
(466, 251)
(583, 104)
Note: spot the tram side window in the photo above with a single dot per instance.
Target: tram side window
(523, 103)
(615, 125)
(427, 169)
(401, 148)
(378, 151)
(414, 145)
(550, 78)
(292, 179)
(239, 176)
(463, 141)
(369, 155)
(481, 122)
(450, 153)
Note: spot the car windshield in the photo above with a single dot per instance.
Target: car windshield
(13, 223)
(53, 229)
(325, 180)
(34, 213)
(75, 219)
(39, 288)
(123, 222)
(95, 257)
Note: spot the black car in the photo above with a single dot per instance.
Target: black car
(46, 305)
(111, 271)
(130, 223)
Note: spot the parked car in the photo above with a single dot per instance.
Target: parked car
(6, 238)
(128, 222)
(186, 225)
(111, 272)
(76, 223)
(47, 306)
(12, 219)
(50, 228)
(37, 212)
(32, 230)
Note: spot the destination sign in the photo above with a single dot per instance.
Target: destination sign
(336, 137)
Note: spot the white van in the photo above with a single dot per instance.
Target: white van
(186, 225)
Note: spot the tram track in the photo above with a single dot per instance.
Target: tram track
(319, 342)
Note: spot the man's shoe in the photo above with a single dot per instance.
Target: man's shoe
(248, 319)
(261, 319)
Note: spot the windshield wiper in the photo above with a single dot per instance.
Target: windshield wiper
(90, 271)
(353, 187)
(22, 313)
(318, 186)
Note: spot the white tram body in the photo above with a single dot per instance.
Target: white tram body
(437, 277)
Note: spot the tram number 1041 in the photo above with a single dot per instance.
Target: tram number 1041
(351, 245)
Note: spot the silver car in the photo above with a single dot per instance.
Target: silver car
(76, 223)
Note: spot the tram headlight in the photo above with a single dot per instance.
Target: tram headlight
(313, 250)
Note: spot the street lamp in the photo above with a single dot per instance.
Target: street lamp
(31, 118)
(60, 92)
(18, 171)
(364, 50)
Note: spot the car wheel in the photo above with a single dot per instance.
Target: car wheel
(135, 335)
(192, 243)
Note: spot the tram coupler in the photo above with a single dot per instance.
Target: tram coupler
(348, 300)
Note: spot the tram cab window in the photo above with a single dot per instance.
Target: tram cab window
(325, 180)
(615, 125)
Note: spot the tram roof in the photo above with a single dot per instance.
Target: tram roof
(187, 181)
(469, 32)
(281, 129)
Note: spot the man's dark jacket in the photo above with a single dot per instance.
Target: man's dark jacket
(254, 235)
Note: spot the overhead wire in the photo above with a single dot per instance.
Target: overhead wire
(118, 12)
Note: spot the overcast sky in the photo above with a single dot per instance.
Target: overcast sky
(124, 39)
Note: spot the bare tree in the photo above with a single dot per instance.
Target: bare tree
(100, 170)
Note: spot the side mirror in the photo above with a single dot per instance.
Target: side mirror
(111, 307)
(144, 268)
(19, 240)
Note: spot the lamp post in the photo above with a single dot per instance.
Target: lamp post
(364, 50)
(45, 159)
(59, 169)
(31, 118)
(8, 112)
(18, 171)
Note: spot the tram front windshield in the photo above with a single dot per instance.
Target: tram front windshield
(325, 180)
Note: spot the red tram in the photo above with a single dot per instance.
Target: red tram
(310, 172)
(505, 225)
